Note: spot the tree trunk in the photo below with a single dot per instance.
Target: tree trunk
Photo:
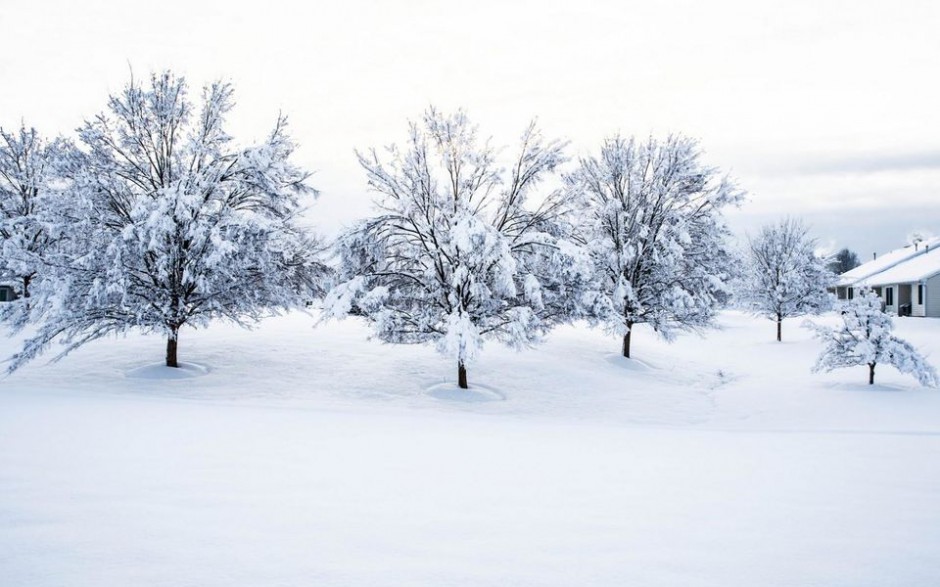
(26, 281)
(779, 328)
(626, 340)
(871, 373)
(171, 347)
(462, 376)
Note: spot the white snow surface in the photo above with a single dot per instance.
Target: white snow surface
(290, 455)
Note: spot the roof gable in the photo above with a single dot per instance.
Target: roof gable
(918, 268)
(863, 274)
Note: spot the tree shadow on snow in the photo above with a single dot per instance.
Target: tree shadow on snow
(476, 394)
(159, 371)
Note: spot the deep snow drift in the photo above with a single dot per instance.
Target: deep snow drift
(299, 456)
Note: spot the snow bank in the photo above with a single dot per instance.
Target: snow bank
(318, 457)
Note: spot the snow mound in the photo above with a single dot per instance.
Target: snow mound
(162, 372)
(622, 362)
(476, 394)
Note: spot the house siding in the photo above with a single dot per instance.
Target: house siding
(918, 310)
(932, 297)
(7, 294)
(891, 308)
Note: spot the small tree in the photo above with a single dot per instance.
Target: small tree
(168, 225)
(461, 251)
(864, 338)
(844, 260)
(28, 165)
(783, 275)
(650, 215)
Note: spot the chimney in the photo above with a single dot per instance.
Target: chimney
(874, 256)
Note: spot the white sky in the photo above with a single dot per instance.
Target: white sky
(821, 109)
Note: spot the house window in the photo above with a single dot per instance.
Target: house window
(3, 294)
(851, 293)
(889, 296)
(920, 295)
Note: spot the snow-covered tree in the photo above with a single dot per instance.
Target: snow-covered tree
(167, 224)
(461, 250)
(783, 275)
(28, 165)
(844, 260)
(650, 212)
(864, 338)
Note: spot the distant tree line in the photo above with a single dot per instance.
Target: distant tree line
(152, 218)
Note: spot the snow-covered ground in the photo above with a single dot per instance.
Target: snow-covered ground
(291, 455)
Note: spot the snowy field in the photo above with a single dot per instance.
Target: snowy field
(291, 455)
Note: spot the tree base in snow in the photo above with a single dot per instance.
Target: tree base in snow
(159, 371)
(474, 394)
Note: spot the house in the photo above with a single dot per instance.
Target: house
(7, 293)
(907, 279)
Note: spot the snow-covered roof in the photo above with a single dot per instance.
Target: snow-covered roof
(917, 268)
(886, 262)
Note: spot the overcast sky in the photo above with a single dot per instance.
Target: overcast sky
(825, 110)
